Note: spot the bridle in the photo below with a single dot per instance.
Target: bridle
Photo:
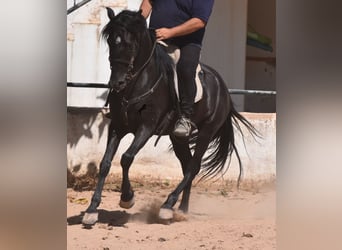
(129, 77)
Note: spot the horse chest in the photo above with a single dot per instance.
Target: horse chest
(132, 115)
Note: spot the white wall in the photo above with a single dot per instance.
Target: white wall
(224, 47)
(225, 44)
(87, 54)
(87, 134)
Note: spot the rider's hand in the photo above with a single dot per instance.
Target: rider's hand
(163, 33)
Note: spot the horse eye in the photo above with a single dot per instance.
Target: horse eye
(118, 40)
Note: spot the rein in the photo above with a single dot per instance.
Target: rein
(143, 66)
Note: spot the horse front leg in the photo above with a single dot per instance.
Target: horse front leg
(91, 215)
(140, 139)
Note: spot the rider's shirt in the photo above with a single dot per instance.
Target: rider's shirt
(171, 13)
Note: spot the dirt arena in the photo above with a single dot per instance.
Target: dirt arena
(220, 217)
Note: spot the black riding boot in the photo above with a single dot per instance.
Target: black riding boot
(183, 124)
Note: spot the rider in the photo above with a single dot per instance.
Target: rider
(181, 23)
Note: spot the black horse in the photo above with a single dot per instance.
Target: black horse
(142, 101)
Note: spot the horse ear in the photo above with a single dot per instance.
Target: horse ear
(140, 12)
(110, 13)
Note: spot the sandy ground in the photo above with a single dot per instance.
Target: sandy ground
(220, 217)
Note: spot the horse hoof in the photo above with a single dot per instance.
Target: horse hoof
(127, 204)
(90, 218)
(165, 214)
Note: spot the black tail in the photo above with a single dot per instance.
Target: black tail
(223, 145)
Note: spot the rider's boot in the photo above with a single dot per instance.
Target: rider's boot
(182, 127)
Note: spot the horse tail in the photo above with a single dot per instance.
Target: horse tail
(223, 145)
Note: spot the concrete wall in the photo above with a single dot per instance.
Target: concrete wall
(87, 133)
(224, 47)
(87, 59)
(261, 74)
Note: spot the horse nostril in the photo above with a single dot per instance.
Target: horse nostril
(121, 83)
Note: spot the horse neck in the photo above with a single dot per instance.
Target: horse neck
(144, 50)
(144, 56)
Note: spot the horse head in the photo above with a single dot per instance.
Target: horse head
(123, 35)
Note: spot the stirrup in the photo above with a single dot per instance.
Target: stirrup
(183, 127)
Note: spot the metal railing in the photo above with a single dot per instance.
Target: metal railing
(251, 92)
(231, 91)
(77, 4)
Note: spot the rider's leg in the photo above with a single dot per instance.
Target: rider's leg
(186, 73)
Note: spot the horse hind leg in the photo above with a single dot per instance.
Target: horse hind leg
(184, 205)
(184, 155)
(91, 215)
(192, 169)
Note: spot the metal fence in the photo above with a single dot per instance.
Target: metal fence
(231, 91)
(76, 5)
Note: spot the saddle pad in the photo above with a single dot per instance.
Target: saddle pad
(174, 53)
